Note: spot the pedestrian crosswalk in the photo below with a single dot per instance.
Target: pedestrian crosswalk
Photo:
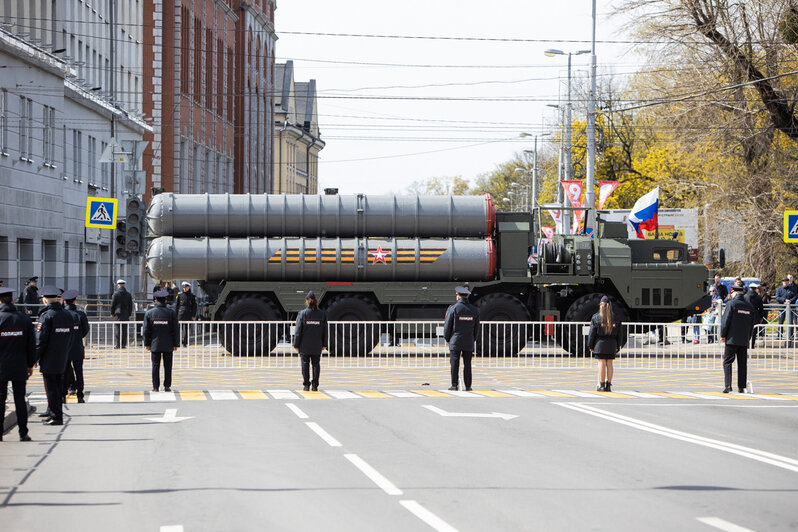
(133, 396)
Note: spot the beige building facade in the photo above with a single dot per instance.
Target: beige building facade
(297, 136)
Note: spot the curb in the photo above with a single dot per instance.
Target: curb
(10, 418)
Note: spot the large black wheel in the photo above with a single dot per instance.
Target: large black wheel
(351, 338)
(573, 336)
(501, 339)
(252, 339)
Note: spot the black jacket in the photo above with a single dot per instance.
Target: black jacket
(186, 306)
(604, 344)
(755, 300)
(80, 328)
(122, 304)
(310, 335)
(31, 295)
(786, 292)
(161, 329)
(723, 291)
(17, 344)
(737, 322)
(54, 338)
(461, 326)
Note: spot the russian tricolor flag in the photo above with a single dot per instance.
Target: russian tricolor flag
(644, 213)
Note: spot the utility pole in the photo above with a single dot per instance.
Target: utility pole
(590, 195)
(112, 88)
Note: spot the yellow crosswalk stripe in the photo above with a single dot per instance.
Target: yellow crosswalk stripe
(780, 396)
(492, 393)
(432, 393)
(616, 395)
(551, 393)
(313, 395)
(372, 394)
(131, 397)
(729, 395)
(672, 395)
(192, 395)
(252, 394)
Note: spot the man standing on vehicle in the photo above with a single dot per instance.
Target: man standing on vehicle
(17, 358)
(460, 329)
(121, 309)
(161, 333)
(186, 309)
(735, 332)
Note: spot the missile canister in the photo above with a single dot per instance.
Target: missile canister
(322, 259)
(281, 215)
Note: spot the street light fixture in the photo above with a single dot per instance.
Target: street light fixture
(534, 193)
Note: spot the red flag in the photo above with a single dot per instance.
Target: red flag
(548, 231)
(606, 188)
(573, 189)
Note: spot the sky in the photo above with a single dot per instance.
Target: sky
(394, 111)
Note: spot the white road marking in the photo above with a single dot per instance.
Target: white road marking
(342, 394)
(402, 393)
(386, 485)
(461, 393)
(722, 524)
(701, 396)
(577, 393)
(282, 394)
(223, 395)
(767, 397)
(444, 413)
(428, 517)
(747, 452)
(169, 416)
(641, 395)
(323, 434)
(521, 393)
(162, 396)
(100, 398)
(172, 528)
(296, 410)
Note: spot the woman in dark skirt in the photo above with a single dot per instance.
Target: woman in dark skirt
(605, 340)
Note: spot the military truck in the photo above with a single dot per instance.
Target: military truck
(398, 258)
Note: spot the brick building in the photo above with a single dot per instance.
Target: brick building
(209, 94)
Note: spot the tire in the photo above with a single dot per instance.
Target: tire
(353, 339)
(257, 339)
(573, 337)
(501, 339)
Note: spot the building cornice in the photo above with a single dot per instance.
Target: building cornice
(262, 22)
(34, 55)
(81, 96)
(228, 11)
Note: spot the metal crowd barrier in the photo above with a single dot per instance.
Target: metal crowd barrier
(420, 344)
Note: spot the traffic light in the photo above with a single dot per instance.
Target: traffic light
(121, 239)
(134, 225)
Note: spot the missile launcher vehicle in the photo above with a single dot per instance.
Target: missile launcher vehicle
(398, 258)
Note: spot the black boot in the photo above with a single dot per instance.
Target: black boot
(600, 387)
(608, 386)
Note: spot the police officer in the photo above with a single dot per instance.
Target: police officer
(186, 309)
(161, 332)
(17, 358)
(755, 300)
(52, 350)
(121, 309)
(80, 328)
(460, 330)
(735, 332)
(310, 339)
(31, 296)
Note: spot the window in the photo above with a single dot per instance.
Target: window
(197, 60)
(209, 69)
(4, 122)
(25, 128)
(668, 255)
(92, 145)
(185, 51)
(219, 78)
(105, 169)
(77, 142)
(48, 136)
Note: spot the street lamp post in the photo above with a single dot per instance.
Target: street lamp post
(590, 177)
(535, 180)
(568, 107)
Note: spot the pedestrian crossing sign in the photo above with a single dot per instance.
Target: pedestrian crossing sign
(101, 213)
(791, 226)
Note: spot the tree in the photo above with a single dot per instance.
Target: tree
(440, 186)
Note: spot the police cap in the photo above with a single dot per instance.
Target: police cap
(185, 283)
(51, 291)
(310, 295)
(462, 291)
(4, 291)
(69, 295)
(33, 279)
(735, 288)
(161, 294)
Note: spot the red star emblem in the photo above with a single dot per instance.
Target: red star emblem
(379, 255)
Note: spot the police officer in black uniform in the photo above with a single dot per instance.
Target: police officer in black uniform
(52, 350)
(186, 309)
(31, 296)
(310, 339)
(735, 332)
(80, 328)
(755, 300)
(460, 329)
(17, 358)
(161, 332)
(121, 309)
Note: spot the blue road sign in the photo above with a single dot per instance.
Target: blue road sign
(791, 226)
(101, 213)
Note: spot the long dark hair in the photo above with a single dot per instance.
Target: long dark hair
(312, 302)
(605, 312)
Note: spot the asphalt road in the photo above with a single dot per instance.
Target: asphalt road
(399, 465)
